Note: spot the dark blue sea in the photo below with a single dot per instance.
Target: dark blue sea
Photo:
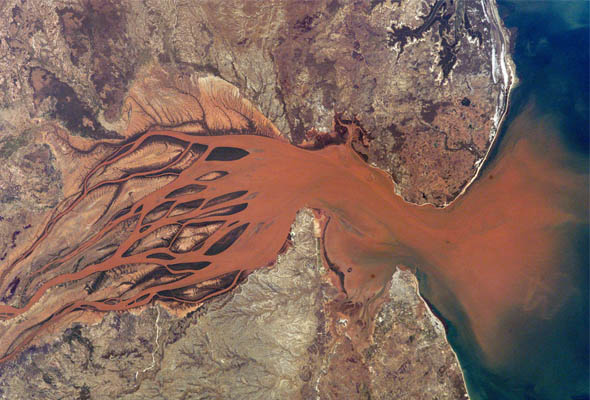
(550, 360)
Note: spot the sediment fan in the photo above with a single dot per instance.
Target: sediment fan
(161, 217)
(171, 237)
(151, 216)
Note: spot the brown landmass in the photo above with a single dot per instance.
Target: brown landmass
(149, 219)
(293, 344)
(83, 83)
(216, 208)
(428, 80)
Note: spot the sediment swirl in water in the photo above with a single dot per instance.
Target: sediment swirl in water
(191, 223)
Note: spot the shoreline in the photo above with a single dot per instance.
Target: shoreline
(432, 315)
(507, 69)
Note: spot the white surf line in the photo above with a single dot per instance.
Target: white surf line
(510, 80)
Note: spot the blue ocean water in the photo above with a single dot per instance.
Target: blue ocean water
(551, 56)
(551, 357)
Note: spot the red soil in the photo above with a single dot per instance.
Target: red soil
(493, 248)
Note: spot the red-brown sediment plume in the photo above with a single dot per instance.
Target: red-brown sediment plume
(177, 217)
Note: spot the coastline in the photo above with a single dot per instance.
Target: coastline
(510, 79)
(504, 66)
(437, 322)
(508, 70)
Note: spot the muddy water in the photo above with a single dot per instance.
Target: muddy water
(516, 298)
(491, 263)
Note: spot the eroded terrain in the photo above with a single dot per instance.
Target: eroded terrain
(427, 79)
(99, 215)
(174, 217)
(296, 343)
(189, 219)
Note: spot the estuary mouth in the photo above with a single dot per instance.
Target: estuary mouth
(193, 222)
(194, 201)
